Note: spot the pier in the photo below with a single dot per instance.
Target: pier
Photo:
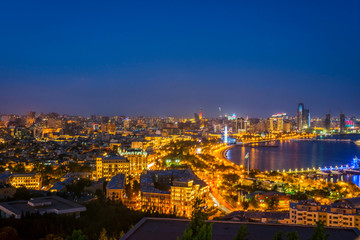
(322, 140)
(353, 168)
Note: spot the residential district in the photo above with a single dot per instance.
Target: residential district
(55, 165)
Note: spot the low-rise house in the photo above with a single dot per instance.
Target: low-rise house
(41, 205)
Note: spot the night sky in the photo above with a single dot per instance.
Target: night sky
(174, 57)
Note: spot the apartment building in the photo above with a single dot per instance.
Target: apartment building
(342, 213)
(27, 180)
(107, 167)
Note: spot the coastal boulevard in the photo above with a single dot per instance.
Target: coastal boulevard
(282, 178)
(305, 155)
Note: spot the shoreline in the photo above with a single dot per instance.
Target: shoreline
(224, 151)
(223, 155)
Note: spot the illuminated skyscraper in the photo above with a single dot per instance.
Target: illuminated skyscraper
(196, 117)
(303, 117)
(306, 119)
(300, 112)
(342, 123)
(200, 114)
(327, 122)
(276, 122)
(241, 125)
(220, 115)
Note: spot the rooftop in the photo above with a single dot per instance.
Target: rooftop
(168, 228)
(353, 202)
(117, 182)
(147, 182)
(115, 158)
(255, 214)
(273, 194)
(24, 174)
(41, 205)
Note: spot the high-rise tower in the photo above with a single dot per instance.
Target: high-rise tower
(306, 119)
(327, 123)
(342, 123)
(300, 113)
(303, 117)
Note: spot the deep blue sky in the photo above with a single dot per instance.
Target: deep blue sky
(253, 58)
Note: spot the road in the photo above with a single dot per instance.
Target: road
(220, 202)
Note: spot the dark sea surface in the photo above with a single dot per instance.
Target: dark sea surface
(297, 154)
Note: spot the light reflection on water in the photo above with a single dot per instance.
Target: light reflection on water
(297, 155)
(345, 178)
(356, 180)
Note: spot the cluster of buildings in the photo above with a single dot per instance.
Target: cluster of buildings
(171, 191)
(117, 150)
(165, 191)
(121, 150)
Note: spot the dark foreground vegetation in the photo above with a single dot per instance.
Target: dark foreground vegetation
(101, 216)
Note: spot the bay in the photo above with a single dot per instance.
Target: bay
(297, 154)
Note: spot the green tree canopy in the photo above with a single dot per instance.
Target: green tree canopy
(198, 229)
(292, 236)
(278, 236)
(242, 233)
(319, 232)
(77, 235)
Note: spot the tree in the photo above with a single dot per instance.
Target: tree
(22, 193)
(319, 232)
(278, 236)
(19, 168)
(128, 190)
(198, 229)
(77, 235)
(9, 233)
(254, 202)
(273, 203)
(231, 178)
(242, 233)
(245, 204)
(292, 236)
(136, 187)
(103, 235)
(122, 233)
(274, 188)
(299, 196)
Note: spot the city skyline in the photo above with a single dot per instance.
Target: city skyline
(173, 59)
(189, 115)
(179, 120)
